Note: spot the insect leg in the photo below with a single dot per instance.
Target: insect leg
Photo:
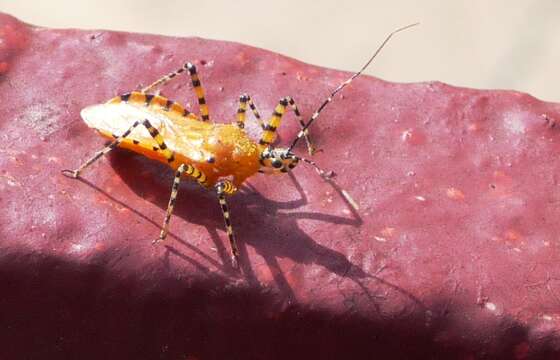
(192, 172)
(171, 204)
(159, 140)
(243, 101)
(164, 79)
(310, 147)
(100, 153)
(199, 91)
(223, 188)
(153, 132)
(269, 133)
(182, 169)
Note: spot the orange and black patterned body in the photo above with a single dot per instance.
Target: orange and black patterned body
(217, 150)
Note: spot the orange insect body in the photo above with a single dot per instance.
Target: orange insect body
(218, 150)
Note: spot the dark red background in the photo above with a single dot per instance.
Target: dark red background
(453, 253)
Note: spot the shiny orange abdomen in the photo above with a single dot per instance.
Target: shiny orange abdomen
(218, 150)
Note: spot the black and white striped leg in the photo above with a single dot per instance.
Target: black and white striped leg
(171, 204)
(75, 173)
(310, 148)
(164, 79)
(243, 101)
(162, 147)
(199, 91)
(194, 173)
(269, 129)
(195, 80)
(223, 188)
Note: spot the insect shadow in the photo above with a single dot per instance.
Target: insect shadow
(269, 226)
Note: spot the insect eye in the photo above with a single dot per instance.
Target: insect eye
(276, 163)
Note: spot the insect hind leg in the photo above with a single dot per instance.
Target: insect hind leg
(153, 132)
(269, 129)
(197, 86)
(164, 79)
(75, 173)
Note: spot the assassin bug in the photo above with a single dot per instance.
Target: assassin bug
(219, 156)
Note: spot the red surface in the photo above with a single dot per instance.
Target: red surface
(454, 252)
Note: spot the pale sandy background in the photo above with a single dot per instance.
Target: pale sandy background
(483, 44)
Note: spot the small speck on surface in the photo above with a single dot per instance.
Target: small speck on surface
(513, 122)
(77, 247)
(407, 134)
(455, 194)
(388, 231)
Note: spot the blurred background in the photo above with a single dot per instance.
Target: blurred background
(500, 44)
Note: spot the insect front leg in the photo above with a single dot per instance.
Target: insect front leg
(269, 129)
(153, 132)
(243, 101)
(224, 188)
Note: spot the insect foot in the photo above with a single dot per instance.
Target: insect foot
(73, 174)
(311, 150)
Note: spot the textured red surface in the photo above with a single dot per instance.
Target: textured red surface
(454, 252)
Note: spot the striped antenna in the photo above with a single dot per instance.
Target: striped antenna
(341, 86)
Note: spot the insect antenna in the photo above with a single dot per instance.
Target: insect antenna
(341, 86)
